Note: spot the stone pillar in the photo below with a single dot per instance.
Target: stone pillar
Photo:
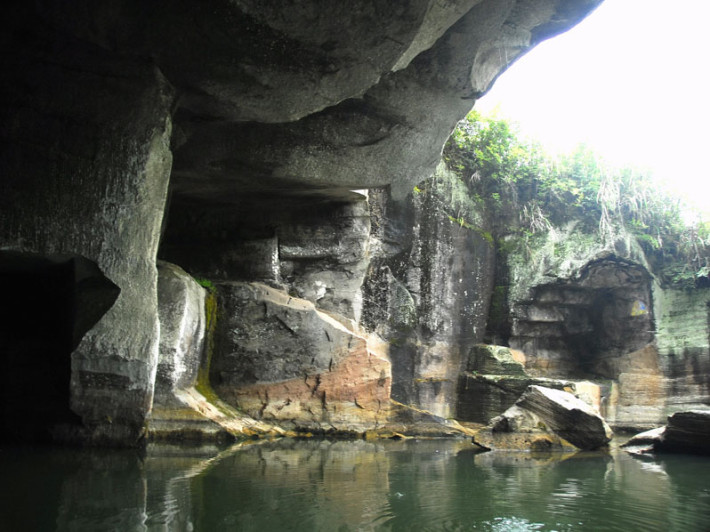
(85, 164)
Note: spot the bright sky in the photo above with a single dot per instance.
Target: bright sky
(632, 80)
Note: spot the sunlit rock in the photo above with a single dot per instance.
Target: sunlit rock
(496, 360)
(644, 442)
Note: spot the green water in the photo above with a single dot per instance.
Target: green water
(349, 485)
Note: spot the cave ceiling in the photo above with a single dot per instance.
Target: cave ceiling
(281, 97)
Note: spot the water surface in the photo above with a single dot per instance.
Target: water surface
(349, 485)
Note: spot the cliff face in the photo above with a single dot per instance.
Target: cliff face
(582, 307)
(231, 135)
(427, 291)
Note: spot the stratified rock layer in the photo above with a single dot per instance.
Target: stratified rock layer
(586, 307)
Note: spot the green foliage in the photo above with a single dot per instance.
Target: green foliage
(206, 283)
(461, 221)
(525, 191)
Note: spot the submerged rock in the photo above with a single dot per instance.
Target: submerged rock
(686, 432)
(644, 442)
(546, 419)
(518, 429)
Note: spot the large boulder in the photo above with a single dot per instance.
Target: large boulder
(495, 378)
(545, 418)
(568, 416)
(688, 431)
(280, 359)
(483, 397)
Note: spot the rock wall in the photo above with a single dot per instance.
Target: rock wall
(314, 247)
(429, 294)
(683, 342)
(274, 113)
(183, 324)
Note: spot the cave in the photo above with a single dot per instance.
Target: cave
(50, 302)
(235, 140)
(580, 327)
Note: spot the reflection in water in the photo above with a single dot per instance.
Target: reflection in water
(353, 485)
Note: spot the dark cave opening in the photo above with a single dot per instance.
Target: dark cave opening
(49, 303)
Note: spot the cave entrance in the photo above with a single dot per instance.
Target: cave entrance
(49, 302)
(579, 328)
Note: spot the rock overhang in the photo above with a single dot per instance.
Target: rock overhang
(279, 97)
